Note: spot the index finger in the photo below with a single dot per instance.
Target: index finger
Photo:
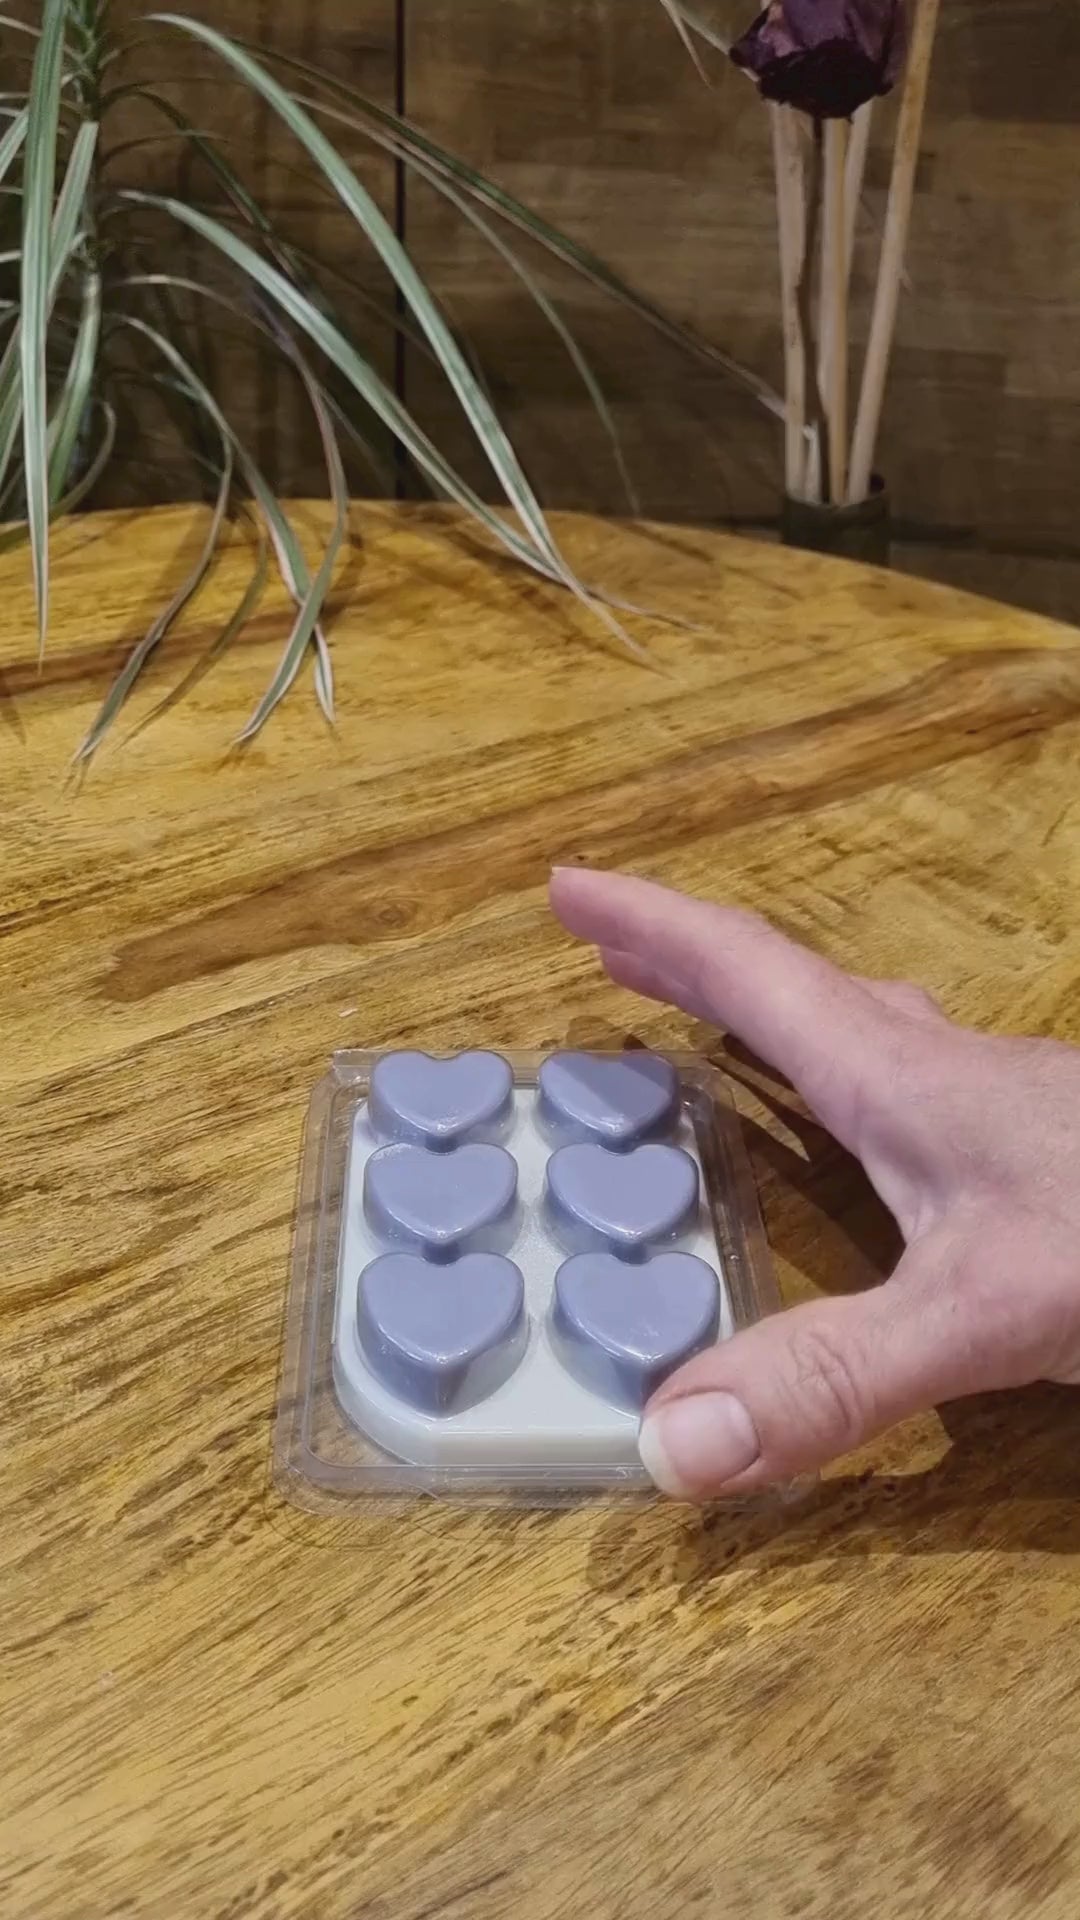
(797, 1011)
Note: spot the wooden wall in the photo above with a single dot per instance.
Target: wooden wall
(263, 399)
(590, 110)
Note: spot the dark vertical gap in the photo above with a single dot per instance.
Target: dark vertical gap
(267, 383)
(305, 470)
(401, 358)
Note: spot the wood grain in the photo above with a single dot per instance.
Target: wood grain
(215, 1706)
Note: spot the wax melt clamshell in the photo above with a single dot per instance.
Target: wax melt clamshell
(498, 1258)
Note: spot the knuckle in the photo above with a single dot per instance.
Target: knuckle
(825, 1386)
(739, 935)
(1006, 1326)
(918, 1001)
(907, 998)
(890, 1083)
(919, 1063)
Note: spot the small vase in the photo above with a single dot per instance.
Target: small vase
(859, 532)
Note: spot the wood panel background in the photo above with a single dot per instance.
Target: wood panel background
(263, 399)
(591, 111)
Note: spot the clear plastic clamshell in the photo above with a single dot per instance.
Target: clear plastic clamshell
(498, 1258)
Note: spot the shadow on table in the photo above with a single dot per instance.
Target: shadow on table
(1009, 1482)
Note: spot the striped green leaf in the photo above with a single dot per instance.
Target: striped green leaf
(550, 312)
(139, 655)
(70, 409)
(308, 594)
(306, 626)
(12, 140)
(39, 179)
(355, 197)
(674, 11)
(386, 405)
(225, 635)
(408, 142)
(63, 239)
(359, 372)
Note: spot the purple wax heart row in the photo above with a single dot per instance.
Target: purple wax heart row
(446, 1205)
(614, 1101)
(444, 1338)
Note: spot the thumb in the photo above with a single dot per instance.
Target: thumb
(790, 1394)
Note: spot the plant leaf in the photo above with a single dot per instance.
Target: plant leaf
(39, 178)
(306, 626)
(484, 421)
(12, 140)
(382, 401)
(289, 257)
(132, 667)
(309, 595)
(239, 617)
(97, 465)
(688, 18)
(550, 312)
(71, 407)
(407, 141)
(294, 567)
(70, 202)
(675, 14)
(357, 370)
(65, 225)
(339, 493)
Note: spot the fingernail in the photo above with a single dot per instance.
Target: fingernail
(692, 1447)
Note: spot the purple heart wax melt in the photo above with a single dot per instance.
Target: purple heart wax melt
(622, 1329)
(620, 1202)
(441, 1103)
(615, 1100)
(443, 1204)
(442, 1338)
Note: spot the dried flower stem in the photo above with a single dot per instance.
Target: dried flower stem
(832, 307)
(854, 173)
(817, 466)
(791, 224)
(894, 240)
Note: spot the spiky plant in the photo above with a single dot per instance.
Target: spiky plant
(95, 313)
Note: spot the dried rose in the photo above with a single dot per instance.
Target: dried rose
(825, 57)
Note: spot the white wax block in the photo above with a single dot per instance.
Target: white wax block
(539, 1417)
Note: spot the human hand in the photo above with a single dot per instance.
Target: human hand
(972, 1142)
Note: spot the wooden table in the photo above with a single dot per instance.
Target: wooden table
(218, 1708)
